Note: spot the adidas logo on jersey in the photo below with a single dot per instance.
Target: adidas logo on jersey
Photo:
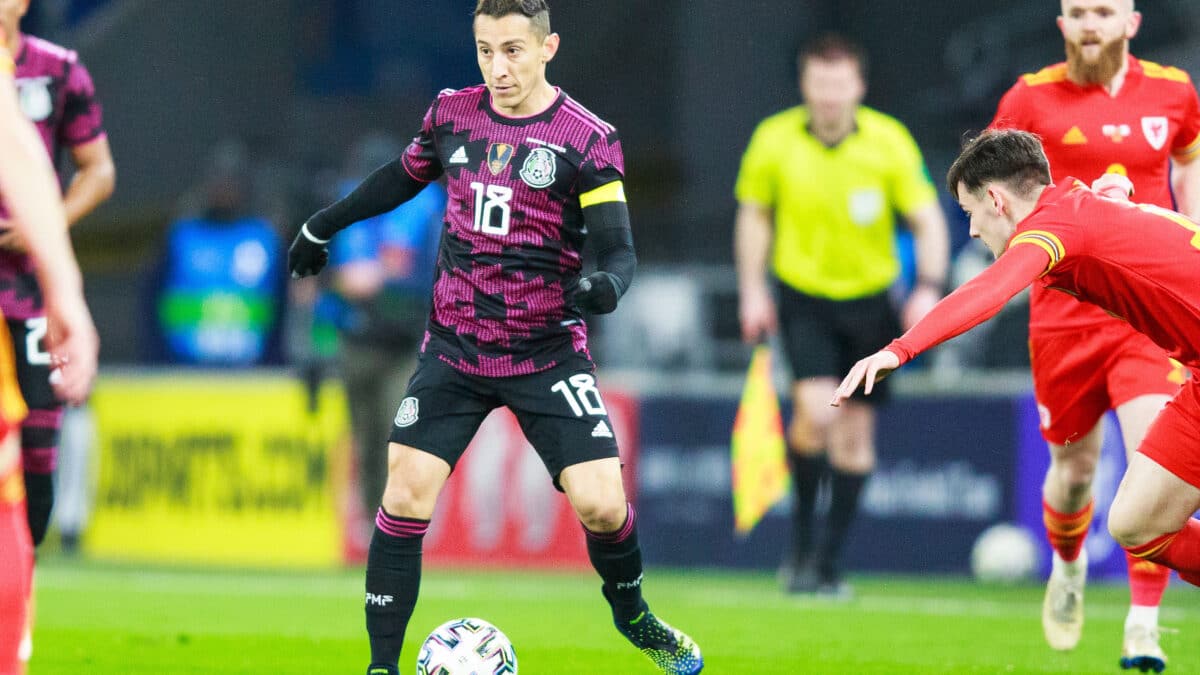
(602, 430)
(459, 156)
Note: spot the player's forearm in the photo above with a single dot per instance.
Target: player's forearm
(972, 303)
(932, 242)
(752, 245)
(90, 187)
(386, 188)
(612, 239)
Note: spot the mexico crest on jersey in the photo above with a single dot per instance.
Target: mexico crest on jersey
(538, 170)
(406, 415)
(1156, 129)
(33, 95)
(499, 155)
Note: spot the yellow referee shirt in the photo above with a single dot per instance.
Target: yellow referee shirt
(835, 207)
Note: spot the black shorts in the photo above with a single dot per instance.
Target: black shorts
(559, 410)
(825, 338)
(33, 363)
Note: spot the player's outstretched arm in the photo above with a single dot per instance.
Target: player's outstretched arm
(386, 188)
(612, 238)
(32, 196)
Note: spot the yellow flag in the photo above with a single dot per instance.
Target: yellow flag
(760, 473)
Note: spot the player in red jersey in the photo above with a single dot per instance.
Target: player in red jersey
(1101, 111)
(30, 193)
(1136, 262)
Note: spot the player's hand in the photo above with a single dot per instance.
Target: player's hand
(920, 301)
(10, 238)
(869, 370)
(307, 255)
(1114, 186)
(74, 348)
(597, 293)
(756, 312)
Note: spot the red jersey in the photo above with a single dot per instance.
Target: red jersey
(1137, 262)
(1086, 133)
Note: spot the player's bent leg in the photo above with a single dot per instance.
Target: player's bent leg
(1067, 513)
(1151, 517)
(415, 478)
(1148, 581)
(610, 524)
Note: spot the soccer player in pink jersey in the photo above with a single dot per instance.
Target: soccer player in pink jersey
(56, 94)
(1102, 110)
(530, 174)
(28, 190)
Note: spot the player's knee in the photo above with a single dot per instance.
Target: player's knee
(807, 436)
(1075, 472)
(602, 515)
(405, 500)
(1126, 526)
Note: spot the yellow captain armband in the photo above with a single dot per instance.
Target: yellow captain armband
(609, 192)
(7, 66)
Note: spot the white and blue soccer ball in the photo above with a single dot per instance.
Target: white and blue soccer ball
(467, 647)
(1005, 553)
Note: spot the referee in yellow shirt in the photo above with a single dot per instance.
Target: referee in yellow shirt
(818, 190)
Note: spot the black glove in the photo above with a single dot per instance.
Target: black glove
(598, 293)
(306, 256)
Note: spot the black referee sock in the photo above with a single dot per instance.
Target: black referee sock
(807, 472)
(617, 557)
(393, 580)
(843, 507)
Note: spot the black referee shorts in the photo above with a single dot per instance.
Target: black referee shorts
(825, 338)
(559, 410)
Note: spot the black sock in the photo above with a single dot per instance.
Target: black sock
(807, 471)
(393, 580)
(39, 496)
(618, 559)
(843, 507)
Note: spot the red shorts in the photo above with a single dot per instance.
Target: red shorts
(1079, 376)
(1173, 440)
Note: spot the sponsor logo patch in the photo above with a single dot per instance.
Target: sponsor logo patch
(602, 430)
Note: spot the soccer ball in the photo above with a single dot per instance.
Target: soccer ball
(466, 647)
(1005, 553)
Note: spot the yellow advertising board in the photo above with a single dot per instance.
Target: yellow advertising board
(226, 468)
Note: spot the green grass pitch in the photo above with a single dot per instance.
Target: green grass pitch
(101, 619)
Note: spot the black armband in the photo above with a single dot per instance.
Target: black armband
(612, 239)
(386, 188)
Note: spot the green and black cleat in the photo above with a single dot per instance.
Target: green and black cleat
(669, 648)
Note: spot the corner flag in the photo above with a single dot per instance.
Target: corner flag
(760, 473)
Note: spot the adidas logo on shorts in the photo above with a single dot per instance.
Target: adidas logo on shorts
(602, 430)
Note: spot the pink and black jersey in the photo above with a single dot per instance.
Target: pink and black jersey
(56, 93)
(510, 255)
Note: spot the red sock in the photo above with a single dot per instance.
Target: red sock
(1067, 531)
(16, 565)
(1178, 550)
(1147, 581)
